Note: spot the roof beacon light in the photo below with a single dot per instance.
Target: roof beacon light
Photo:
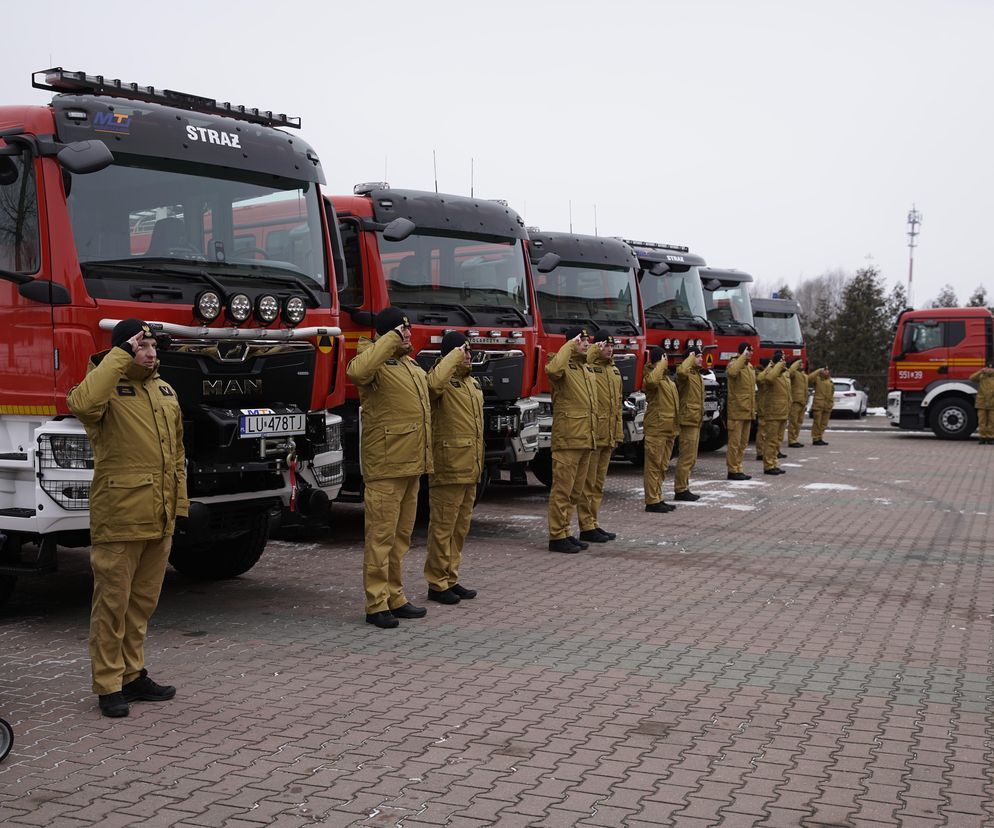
(368, 186)
(58, 79)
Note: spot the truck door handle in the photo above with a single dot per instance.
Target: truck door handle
(943, 369)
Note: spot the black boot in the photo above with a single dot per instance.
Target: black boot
(443, 596)
(384, 620)
(462, 592)
(564, 545)
(113, 705)
(592, 536)
(144, 689)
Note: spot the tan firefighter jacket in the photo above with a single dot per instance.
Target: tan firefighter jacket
(456, 421)
(573, 399)
(777, 386)
(741, 402)
(985, 389)
(824, 391)
(690, 386)
(607, 379)
(396, 409)
(135, 426)
(798, 383)
(662, 402)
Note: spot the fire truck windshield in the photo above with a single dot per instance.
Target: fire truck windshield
(599, 294)
(486, 274)
(779, 327)
(674, 295)
(142, 211)
(730, 307)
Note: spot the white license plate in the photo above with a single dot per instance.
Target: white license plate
(270, 425)
(710, 405)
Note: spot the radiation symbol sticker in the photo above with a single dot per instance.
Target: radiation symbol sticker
(709, 360)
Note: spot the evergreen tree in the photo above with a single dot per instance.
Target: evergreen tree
(896, 302)
(784, 292)
(863, 332)
(979, 298)
(945, 299)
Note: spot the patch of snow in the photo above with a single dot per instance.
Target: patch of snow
(792, 465)
(738, 507)
(834, 487)
(876, 412)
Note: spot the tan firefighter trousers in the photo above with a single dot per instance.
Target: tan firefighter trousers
(589, 507)
(738, 440)
(451, 514)
(774, 439)
(569, 473)
(795, 422)
(690, 436)
(658, 451)
(391, 506)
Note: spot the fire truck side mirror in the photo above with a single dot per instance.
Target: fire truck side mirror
(83, 157)
(8, 171)
(659, 268)
(549, 262)
(398, 229)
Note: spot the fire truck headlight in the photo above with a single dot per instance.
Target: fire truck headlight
(294, 310)
(239, 307)
(207, 306)
(676, 344)
(667, 343)
(267, 308)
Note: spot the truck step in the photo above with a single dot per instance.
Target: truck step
(14, 455)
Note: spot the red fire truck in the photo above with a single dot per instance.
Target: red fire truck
(779, 324)
(588, 280)
(204, 219)
(726, 296)
(676, 317)
(934, 353)
(451, 263)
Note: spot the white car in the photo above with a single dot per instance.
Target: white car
(851, 398)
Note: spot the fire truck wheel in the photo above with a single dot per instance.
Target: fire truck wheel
(6, 739)
(954, 419)
(223, 557)
(638, 455)
(712, 438)
(7, 584)
(541, 466)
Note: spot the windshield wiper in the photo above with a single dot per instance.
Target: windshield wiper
(446, 305)
(654, 314)
(573, 319)
(157, 265)
(501, 309)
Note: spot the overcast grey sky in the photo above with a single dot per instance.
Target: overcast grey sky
(782, 138)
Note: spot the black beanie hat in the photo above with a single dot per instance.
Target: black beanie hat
(123, 331)
(604, 336)
(777, 355)
(743, 346)
(453, 339)
(388, 319)
(656, 353)
(693, 349)
(575, 331)
(764, 362)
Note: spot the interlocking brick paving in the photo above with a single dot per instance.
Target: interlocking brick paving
(808, 650)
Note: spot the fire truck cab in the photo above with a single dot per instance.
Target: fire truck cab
(935, 352)
(726, 296)
(779, 324)
(452, 264)
(669, 278)
(590, 281)
(205, 220)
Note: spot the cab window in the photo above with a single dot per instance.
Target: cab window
(351, 294)
(19, 239)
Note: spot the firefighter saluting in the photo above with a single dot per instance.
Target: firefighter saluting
(574, 392)
(607, 380)
(395, 451)
(135, 427)
(457, 448)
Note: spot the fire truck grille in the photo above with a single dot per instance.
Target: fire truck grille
(72, 495)
(330, 475)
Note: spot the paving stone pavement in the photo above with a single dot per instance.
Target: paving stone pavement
(808, 650)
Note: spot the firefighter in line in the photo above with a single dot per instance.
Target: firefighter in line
(740, 408)
(574, 392)
(761, 397)
(690, 389)
(798, 402)
(774, 378)
(395, 450)
(821, 405)
(135, 426)
(608, 433)
(457, 449)
(984, 403)
(661, 424)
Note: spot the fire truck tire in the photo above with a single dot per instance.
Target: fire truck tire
(638, 455)
(6, 739)
(954, 419)
(7, 584)
(223, 557)
(713, 438)
(541, 466)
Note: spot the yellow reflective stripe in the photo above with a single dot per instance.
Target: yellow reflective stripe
(48, 410)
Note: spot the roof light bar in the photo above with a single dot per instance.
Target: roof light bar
(58, 79)
(656, 245)
(367, 187)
